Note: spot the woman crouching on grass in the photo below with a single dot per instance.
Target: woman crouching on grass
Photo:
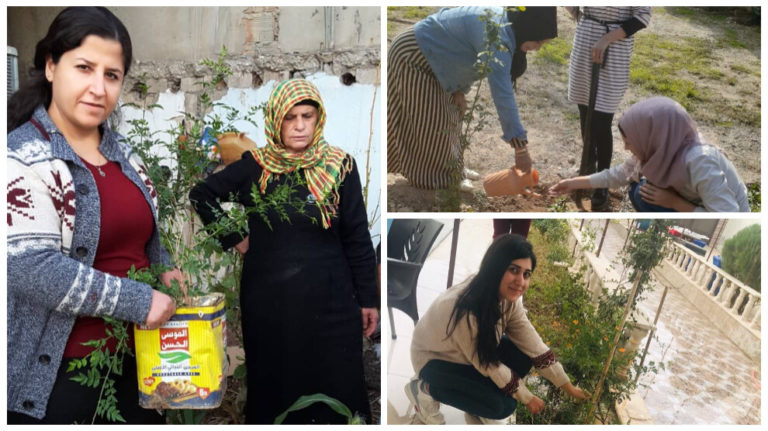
(474, 344)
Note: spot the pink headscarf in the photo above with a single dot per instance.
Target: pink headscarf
(661, 132)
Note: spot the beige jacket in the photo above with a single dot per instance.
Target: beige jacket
(430, 342)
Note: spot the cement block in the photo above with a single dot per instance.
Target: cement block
(157, 85)
(192, 104)
(633, 411)
(367, 75)
(240, 80)
(276, 76)
(191, 84)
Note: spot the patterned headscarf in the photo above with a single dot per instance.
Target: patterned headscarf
(324, 166)
(661, 132)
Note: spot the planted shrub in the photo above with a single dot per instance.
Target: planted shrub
(581, 331)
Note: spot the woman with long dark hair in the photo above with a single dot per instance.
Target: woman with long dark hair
(433, 65)
(81, 212)
(474, 344)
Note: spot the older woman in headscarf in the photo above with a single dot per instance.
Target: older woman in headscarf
(671, 167)
(434, 64)
(308, 288)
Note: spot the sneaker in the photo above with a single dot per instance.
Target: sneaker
(471, 419)
(486, 421)
(426, 409)
(466, 186)
(477, 420)
(470, 174)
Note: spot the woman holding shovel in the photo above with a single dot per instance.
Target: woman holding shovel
(671, 167)
(474, 345)
(433, 65)
(598, 77)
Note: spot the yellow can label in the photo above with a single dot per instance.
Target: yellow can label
(182, 364)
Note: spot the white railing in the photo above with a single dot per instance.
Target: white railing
(741, 301)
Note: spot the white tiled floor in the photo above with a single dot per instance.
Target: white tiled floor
(474, 238)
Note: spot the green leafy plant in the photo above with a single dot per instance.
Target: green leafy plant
(195, 251)
(307, 400)
(755, 198)
(560, 205)
(197, 254)
(741, 256)
(98, 368)
(581, 330)
(478, 115)
(644, 252)
(588, 236)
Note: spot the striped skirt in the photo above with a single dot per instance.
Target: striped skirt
(423, 123)
(614, 77)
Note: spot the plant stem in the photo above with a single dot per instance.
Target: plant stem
(617, 337)
(370, 140)
(120, 346)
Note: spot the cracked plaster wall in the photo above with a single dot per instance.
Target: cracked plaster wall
(265, 45)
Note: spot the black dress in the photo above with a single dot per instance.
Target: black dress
(301, 292)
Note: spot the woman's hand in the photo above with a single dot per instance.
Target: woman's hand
(460, 101)
(370, 319)
(175, 274)
(667, 198)
(535, 405)
(523, 160)
(574, 391)
(568, 185)
(160, 310)
(242, 246)
(563, 187)
(598, 50)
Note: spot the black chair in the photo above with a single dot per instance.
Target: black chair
(408, 243)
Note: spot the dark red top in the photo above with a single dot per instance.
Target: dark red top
(126, 227)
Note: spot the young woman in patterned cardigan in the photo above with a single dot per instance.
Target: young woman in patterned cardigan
(474, 344)
(81, 212)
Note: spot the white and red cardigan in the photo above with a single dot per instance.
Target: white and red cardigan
(53, 222)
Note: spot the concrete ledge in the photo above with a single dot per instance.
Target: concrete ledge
(748, 340)
(633, 411)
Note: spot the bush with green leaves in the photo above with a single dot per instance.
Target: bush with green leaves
(581, 331)
(741, 256)
(194, 250)
(176, 160)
